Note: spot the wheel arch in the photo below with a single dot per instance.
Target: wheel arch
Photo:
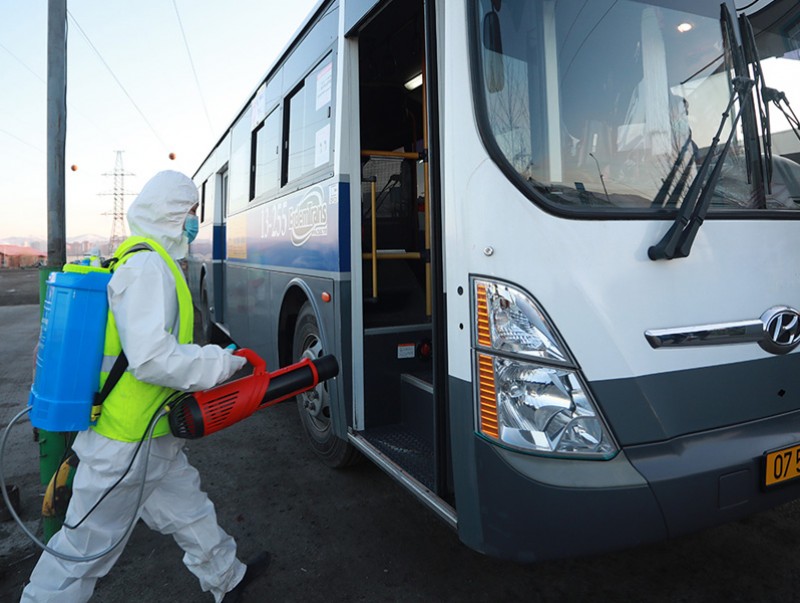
(297, 293)
(326, 432)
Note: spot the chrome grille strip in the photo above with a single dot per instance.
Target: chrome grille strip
(725, 333)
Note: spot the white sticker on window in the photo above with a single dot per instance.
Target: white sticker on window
(324, 85)
(323, 146)
(406, 350)
(259, 106)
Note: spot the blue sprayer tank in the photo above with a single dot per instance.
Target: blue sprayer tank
(70, 349)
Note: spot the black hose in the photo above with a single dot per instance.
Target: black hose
(299, 379)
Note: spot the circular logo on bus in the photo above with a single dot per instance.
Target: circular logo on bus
(781, 330)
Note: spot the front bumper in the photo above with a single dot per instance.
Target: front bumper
(532, 508)
(716, 476)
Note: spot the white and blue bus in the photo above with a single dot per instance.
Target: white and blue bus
(553, 245)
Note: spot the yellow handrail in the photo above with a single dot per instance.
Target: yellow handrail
(374, 255)
(398, 154)
(392, 255)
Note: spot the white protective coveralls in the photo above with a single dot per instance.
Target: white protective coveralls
(143, 299)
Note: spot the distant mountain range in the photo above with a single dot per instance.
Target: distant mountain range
(32, 241)
(77, 246)
(88, 237)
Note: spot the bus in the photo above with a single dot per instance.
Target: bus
(552, 244)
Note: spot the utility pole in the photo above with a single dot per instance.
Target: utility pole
(53, 445)
(56, 131)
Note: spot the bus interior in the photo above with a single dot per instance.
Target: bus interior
(400, 408)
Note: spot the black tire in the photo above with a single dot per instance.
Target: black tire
(314, 405)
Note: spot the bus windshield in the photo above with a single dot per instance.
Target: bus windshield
(612, 106)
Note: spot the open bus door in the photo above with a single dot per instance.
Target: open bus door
(401, 423)
(207, 264)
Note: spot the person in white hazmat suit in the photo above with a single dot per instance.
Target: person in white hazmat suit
(144, 296)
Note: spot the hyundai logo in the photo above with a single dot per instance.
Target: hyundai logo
(781, 330)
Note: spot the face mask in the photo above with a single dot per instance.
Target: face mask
(191, 227)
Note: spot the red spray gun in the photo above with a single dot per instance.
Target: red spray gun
(202, 413)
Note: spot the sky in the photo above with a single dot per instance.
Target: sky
(134, 84)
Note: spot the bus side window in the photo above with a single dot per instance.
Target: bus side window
(202, 210)
(265, 156)
(308, 140)
(239, 166)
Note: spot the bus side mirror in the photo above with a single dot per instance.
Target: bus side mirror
(492, 41)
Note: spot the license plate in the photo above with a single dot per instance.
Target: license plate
(781, 465)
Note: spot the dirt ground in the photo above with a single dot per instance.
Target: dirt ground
(355, 535)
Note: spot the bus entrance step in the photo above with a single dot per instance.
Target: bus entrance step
(406, 449)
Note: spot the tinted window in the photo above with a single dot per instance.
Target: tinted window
(239, 166)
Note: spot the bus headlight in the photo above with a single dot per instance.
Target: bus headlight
(534, 406)
(510, 321)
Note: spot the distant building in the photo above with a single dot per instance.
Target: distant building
(16, 256)
(78, 249)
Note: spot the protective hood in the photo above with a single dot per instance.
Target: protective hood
(159, 211)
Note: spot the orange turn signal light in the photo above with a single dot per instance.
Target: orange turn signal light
(482, 307)
(487, 395)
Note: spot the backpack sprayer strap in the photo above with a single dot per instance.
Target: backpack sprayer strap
(120, 364)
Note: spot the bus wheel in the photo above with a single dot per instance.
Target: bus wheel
(314, 405)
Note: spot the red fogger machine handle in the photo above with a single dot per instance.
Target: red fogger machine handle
(203, 413)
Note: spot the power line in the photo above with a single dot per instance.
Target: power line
(191, 62)
(21, 62)
(17, 138)
(69, 104)
(116, 79)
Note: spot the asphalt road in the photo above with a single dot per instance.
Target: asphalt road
(19, 287)
(355, 535)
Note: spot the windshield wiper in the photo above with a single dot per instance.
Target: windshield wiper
(678, 239)
(658, 200)
(776, 96)
(677, 242)
(752, 58)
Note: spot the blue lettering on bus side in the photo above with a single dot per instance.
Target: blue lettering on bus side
(309, 231)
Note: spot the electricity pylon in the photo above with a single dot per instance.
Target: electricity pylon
(118, 232)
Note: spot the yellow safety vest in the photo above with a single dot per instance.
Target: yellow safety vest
(131, 405)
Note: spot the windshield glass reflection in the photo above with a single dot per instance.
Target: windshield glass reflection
(596, 104)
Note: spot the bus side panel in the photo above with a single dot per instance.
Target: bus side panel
(236, 276)
(355, 11)
(262, 310)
